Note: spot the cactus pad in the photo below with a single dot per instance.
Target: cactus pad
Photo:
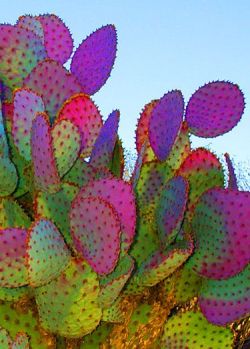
(112, 284)
(203, 171)
(31, 23)
(214, 109)
(232, 180)
(120, 195)
(26, 104)
(95, 339)
(66, 144)
(224, 301)
(54, 83)
(68, 305)
(171, 208)
(13, 294)
(5, 340)
(94, 58)
(162, 263)
(221, 228)
(47, 254)
(56, 208)
(95, 228)
(12, 214)
(80, 173)
(165, 123)
(102, 152)
(82, 111)
(8, 177)
(21, 341)
(57, 38)
(12, 257)
(45, 170)
(4, 149)
(21, 50)
(191, 330)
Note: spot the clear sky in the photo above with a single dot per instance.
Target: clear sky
(162, 45)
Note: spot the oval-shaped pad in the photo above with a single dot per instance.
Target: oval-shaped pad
(165, 123)
(94, 58)
(8, 177)
(45, 171)
(26, 104)
(222, 233)
(215, 109)
(95, 228)
(83, 113)
(47, 253)
(54, 83)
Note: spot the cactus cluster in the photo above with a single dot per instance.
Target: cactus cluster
(87, 258)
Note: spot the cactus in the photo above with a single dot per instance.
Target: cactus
(87, 258)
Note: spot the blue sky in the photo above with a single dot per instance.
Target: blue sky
(162, 46)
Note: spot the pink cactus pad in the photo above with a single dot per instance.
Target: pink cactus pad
(57, 38)
(165, 123)
(232, 180)
(47, 253)
(171, 209)
(26, 104)
(142, 131)
(214, 109)
(82, 111)
(95, 228)
(120, 195)
(12, 257)
(222, 233)
(102, 152)
(54, 83)
(45, 171)
(21, 50)
(31, 23)
(225, 301)
(94, 59)
(66, 144)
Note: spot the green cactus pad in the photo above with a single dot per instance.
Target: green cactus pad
(5, 340)
(47, 253)
(140, 316)
(21, 50)
(80, 173)
(45, 171)
(31, 23)
(94, 58)
(13, 294)
(163, 263)
(82, 112)
(120, 195)
(112, 284)
(225, 301)
(114, 313)
(21, 342)
(185, 284)
(171, 209)
(103, 148)
(96, 229)
(203, 171)
(68, 305)
(4, 148)
(57, 38)
(191, 330)
(222, 233)
(12, 214)
(8, 177)
(54, 83)
(26, 104)
(56, 207)
(26, 321)
(12, 257)
(95, 339)
(153, 177)
(117, 164)
(66, 145)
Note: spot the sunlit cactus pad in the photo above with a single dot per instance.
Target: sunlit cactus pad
(90, 257)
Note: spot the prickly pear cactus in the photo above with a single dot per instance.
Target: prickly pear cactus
(87, 258)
